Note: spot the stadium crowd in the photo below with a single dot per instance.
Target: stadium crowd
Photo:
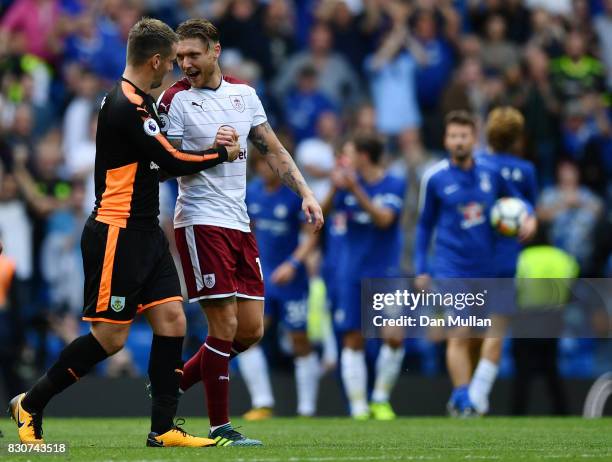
(325, 70)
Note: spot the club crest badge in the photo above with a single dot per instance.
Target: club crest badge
(209, 280)
(117, 303)
(237, 102)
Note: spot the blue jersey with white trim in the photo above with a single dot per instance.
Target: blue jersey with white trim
(276, 219)
(371, 251)
(455, 203)
(521, 174)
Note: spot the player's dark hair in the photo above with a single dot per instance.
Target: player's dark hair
(147, 38)
(198, 28)
(460, 117)
(371, 145)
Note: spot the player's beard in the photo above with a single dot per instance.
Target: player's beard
(461, 155)
(157, 83)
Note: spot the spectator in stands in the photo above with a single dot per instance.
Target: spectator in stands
(577, 129)
(32, 23)
(541, 109)
(277, 25)
(96, 44)
(305, 103)
(335, 77)
(547, 33)
(242, 22)
(364, 122)
(174, 12)
(497, 52)
(76, 128)
(315, 156)
(603, 28)
(572, 212)
(435, 61)
(22, 129)
(514, 13)
(348, 36)
(392, 75)
(576, 74)
(80, 159)
(62, 267)
(581, 20)
(466, 90)
(44, 192)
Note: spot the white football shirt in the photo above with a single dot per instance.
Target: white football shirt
(194, 115)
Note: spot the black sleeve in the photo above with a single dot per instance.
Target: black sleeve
(145, 135)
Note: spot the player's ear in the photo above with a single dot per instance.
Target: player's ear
(217, 50)
(156, 61)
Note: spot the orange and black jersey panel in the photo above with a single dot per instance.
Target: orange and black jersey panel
(130, 150)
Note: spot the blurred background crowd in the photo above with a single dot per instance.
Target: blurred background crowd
(324, 69)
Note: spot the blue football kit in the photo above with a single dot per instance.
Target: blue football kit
(368, 251)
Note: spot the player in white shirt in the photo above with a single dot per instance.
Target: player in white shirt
(218, 252)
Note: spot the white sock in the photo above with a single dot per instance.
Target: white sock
(354, 376)
(481, 384)
(388, 368)
(254, 370)
(307, 372)
(212, 429)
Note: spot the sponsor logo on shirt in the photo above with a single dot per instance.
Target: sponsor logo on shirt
(451, 188)
(473, 215)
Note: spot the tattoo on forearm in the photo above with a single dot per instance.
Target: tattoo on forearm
(279, 159)
(257, 136)
(289, 173)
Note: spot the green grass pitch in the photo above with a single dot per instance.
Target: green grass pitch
(337, 439)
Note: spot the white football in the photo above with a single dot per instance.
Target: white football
(507, 215)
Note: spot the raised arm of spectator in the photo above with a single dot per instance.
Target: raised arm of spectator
(387, 51)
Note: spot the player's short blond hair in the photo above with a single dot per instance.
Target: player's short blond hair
(505, 126)
(198, 28)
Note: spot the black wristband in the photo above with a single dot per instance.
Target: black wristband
(222, 150)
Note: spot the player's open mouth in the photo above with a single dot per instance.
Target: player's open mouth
(191, 75)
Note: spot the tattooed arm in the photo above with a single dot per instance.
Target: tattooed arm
(280, 161)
